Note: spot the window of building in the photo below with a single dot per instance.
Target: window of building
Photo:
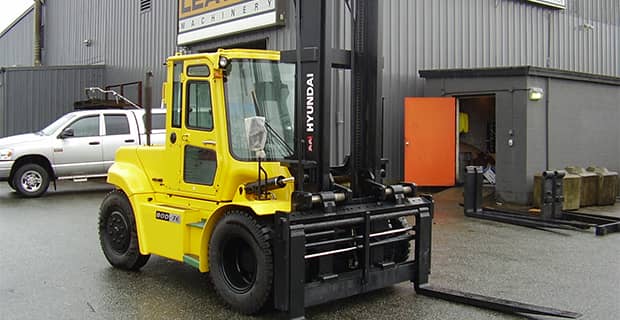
(145, 5)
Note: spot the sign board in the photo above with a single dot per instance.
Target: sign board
(552, 3)
(207, 19)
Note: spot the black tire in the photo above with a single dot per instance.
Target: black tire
(31, 180)
(117, 233)
(240, 262)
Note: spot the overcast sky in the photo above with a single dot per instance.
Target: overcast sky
(11, 9)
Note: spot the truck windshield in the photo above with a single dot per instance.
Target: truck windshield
(261, 88)
(49, 130)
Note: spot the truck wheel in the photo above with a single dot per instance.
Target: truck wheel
(117, 233)
(240, 262)
(31, 180)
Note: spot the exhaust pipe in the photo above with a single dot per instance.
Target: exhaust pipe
(37, 33)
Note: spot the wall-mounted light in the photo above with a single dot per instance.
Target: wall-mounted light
(87, 42)
(535, 94)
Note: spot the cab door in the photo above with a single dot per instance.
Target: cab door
(194, 152)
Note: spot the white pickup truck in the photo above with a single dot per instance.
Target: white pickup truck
(78, 146)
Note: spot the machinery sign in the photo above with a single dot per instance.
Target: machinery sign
(552, 3)
(207, 19)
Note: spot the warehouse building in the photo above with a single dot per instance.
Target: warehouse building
(518, 86)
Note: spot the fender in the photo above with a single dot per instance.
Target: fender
(125, 174)
(241, 201)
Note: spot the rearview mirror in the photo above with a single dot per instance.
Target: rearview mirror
(67, 133)
(256, 132)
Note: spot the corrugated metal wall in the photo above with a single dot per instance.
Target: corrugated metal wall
(447, 34)
(129, 42)
(16, 42)
(441, 34)
(417, 35)
(31, 98)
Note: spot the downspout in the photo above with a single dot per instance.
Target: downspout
(547, 85)
(37, 33)
(547, 121)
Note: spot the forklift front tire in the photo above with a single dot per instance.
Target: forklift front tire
(240, 262)
(117, 233)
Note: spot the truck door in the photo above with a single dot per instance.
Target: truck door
(79, 153)
(430, 141)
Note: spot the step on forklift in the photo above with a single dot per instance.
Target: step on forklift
(243, 187)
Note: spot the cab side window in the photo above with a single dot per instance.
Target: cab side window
(85, 127)
(177, 89)
(200, 165)
(199, 109)
(116, 124)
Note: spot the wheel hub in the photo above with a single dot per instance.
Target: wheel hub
(239, 265)
(31, 181)
(118, 232)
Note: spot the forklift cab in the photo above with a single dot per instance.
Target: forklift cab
(211, 96)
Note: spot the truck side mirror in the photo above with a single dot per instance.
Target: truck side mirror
(256, 133)
(68, 132)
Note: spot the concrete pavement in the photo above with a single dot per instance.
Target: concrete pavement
(52, 268)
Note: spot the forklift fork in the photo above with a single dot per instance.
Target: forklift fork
(293, 293)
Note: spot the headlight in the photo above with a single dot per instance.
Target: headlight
(6, 154)
(223, 62)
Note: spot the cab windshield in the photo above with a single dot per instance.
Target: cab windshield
(262, 88)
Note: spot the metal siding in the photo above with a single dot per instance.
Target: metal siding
(129, 42)
(16, 42)
(34, 97)
(417, 34)
(447, 34)
(442, 34)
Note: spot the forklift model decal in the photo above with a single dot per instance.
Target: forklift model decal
(170, 217)
(310, 111)
(310, 141)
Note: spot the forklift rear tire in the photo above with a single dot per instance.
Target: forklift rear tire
(117, 233)
(240, 262)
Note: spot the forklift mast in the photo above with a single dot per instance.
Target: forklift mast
(317, 59)
(363, 243)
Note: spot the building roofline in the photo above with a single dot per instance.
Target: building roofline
(22, 16)
(528, 71)
(40, 68)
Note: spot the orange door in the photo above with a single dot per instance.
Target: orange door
(430, 141)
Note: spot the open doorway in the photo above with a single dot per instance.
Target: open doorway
(476, 135)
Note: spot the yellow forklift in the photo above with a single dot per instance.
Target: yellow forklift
(243, 188)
